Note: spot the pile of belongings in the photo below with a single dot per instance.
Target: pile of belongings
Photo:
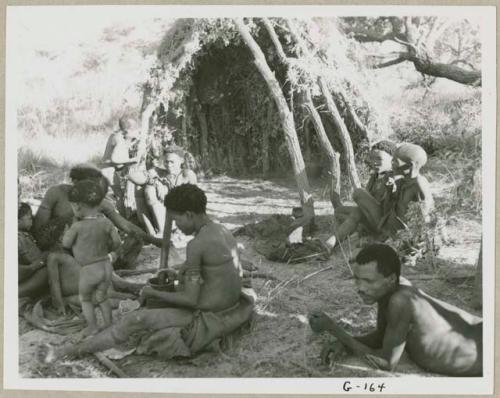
(272, 241)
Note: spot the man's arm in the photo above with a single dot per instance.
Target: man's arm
(108, 209)
(44, 212)
(394, 339)
(192, 281)
(425, 198)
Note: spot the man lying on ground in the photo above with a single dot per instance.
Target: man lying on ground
(209, 304)
(437, 336)
(385, 215)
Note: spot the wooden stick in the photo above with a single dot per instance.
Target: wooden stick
(110, 365)
(132, 272)
(165, 247)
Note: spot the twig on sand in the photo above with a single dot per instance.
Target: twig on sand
(305, 278)
(132, 272)
(259, 275)
(110, 365)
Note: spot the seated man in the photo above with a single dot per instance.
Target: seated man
(210, 303)
(152, 186)
(348, 218)
(437, 336)
(386, 215)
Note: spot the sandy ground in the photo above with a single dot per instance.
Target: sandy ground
(279, 342)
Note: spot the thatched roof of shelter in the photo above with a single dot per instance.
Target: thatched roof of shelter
(204, 62)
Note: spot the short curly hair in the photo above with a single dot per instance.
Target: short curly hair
(84, 172)
(386, 146)
(22, 209)
(186, 197)
(387, 259)
(88, 192)
(174, 149)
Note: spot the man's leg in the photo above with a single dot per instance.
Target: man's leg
(143, 213)
(341, 213)
(349, 225)
(157, 208)
(369, 206)
(143, 319)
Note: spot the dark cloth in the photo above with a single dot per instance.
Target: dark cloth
(204, 329)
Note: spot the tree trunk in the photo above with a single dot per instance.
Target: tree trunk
(285, 114)
(337, 119)
(203, 140)
(147, 109)
(344, 134)
(265, 140)
(326, 145)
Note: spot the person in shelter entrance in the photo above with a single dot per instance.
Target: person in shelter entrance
(155, 183)
(437, 336)
(118, 156)
(208, 305)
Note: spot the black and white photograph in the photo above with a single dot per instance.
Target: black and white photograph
(250, 199)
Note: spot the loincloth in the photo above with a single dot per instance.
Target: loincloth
(205, 328)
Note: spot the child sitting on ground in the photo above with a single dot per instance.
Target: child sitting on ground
(91, 239)
(31, 260)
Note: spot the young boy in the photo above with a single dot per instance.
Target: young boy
(91, 238)
(378, 188)
(31, 260)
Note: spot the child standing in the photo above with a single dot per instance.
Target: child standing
(91, 239)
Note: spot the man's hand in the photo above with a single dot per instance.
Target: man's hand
(320, 322)
(60, 306)
(171, 274)
(332, 352)
(145, 293)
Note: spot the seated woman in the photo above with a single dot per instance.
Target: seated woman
(56, 206)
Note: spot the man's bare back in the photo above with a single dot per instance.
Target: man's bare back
(220, 267)
(442, 338)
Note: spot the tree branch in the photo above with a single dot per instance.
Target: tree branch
(390, 63)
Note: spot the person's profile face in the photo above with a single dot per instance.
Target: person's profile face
(400, 167)
(173, 163)
(379, 161)
(371, 285)
(184, 221)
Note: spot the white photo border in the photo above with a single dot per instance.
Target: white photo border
(405, 385)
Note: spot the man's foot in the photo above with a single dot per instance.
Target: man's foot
(89, 331)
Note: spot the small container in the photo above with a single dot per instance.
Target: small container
(168, 286)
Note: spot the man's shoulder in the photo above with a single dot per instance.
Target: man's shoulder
(401, 298)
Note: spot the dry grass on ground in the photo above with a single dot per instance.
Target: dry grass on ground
(278, 343)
